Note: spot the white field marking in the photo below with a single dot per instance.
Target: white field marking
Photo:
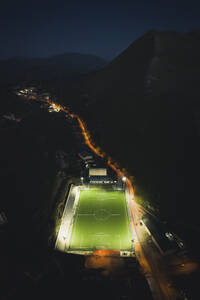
(99, 233)
(99, 241)
(81, 245)
(81, 242)
(86, 214)
(103, 247)
(107, 244)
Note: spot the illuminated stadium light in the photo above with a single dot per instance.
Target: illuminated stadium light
(124, 178)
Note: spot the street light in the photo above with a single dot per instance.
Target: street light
(82, 180)
(123, 182)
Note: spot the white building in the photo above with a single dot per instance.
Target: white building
(99, 176)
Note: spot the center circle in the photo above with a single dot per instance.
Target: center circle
(102, 214)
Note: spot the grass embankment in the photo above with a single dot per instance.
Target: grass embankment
(60, 197)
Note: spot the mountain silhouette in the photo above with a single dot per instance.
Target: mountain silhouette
(56, 67)
(147, 100)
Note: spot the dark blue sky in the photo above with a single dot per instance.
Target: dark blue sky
(104, 28)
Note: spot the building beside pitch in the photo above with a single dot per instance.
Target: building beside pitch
(100, 176)
(96, 171)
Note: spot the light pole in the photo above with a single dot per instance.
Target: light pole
(123, 182)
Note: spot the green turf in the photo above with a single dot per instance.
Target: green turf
(101, 221)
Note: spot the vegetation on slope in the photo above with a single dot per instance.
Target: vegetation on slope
(144, 102)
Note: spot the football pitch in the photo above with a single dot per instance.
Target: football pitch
(101, 221)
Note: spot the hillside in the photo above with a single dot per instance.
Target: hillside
(147, 103)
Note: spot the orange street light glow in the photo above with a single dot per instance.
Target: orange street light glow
(95, 149)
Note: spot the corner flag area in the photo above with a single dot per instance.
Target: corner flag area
(101, 221)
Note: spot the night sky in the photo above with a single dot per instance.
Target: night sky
(104, 28)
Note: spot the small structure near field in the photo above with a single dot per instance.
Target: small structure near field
(99, 176)
(97, 172)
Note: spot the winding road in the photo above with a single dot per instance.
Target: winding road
(152, 263)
